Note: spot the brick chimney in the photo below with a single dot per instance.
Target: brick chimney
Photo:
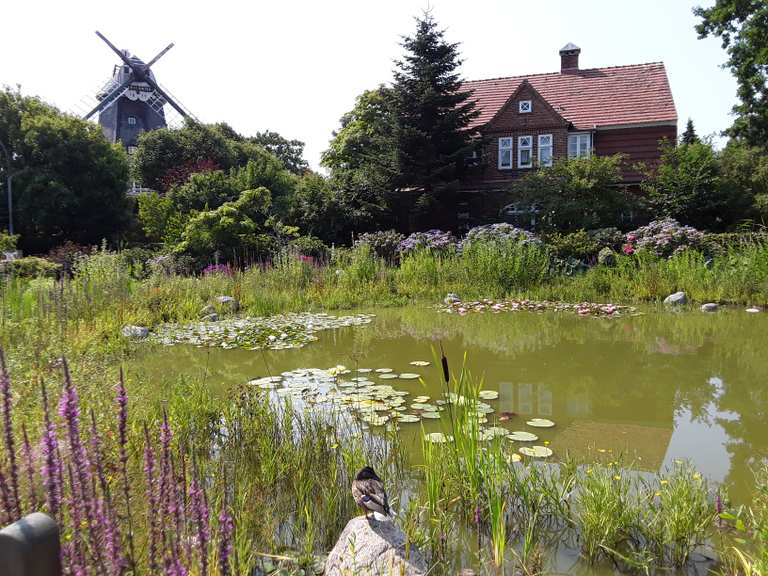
(569, 58)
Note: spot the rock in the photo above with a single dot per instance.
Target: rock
(135, 332)
(451, 298)
(676, 299)
(708, 263)
(709, 307)
(207, 310)
(752, 310)
(213, 317)
(369, 546)
(228, 303)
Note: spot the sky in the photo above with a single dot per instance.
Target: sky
(296, 66)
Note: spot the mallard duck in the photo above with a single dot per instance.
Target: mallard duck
(368, 492)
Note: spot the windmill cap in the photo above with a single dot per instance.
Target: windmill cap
(570, 47)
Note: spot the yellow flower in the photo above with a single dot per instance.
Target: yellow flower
(617, 477)
(546, 442)
(601, 450)
(664, 482)
(589, 470)
(657, 494)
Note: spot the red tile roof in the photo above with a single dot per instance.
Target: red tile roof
(635, 94)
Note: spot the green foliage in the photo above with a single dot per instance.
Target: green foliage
(744, 181)
(33, 267)
(289, 152)
(579, 193)
(235, 229)
(689, 136)
(310, 246)
(606, 257)
(742, 25)
(579, 245)
(8, 242)
(70, 182)
(433, 113)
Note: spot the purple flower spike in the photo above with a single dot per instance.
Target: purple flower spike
(226, 531)
(5, 391)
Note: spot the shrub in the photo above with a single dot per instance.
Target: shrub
(385, 244)
(67, 254)
(606, 257)
(607, 237)
(310, 246)
(434, 240)
(8, 241)
(34, 267)
(500, 233)
(171, 264)
(664, 238)
(574, 245)
(136, 260)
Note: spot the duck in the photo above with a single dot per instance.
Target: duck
(369, 494)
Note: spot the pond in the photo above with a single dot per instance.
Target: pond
(649, 389)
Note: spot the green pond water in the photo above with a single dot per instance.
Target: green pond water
(649, 389)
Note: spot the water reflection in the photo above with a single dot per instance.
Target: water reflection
(647, 389)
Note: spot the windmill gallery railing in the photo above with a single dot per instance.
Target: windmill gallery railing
(30, 547)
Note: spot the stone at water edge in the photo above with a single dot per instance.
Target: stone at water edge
(368, 546)
(752, 310)
(212, 317)
(135, 332)
(676, 299)
(451, 298)
(207, 310)
(709, 307)
(228, 302)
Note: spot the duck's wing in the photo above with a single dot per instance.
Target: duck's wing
(370, 494)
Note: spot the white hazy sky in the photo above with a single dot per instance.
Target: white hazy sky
(296, 67)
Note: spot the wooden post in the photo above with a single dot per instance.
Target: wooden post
(30, 547)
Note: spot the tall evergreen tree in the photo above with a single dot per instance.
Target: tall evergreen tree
(432, 111)
(689, 136)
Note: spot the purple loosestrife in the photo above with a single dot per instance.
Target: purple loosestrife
(226, 531)
(76, 557)
(122, 434)
(51, 472)
(166, 482)
(150, 479)
(69, 410)
(5, 496)
(29, 465)
(201, 517)
(5, 391)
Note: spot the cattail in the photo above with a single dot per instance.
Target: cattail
(29, 465)
(5, 391)
(51, 472)
(149, 475)
(226, 531)
(446, 372)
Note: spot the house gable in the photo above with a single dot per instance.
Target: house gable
(509, 118)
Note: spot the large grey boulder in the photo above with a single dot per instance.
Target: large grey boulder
(207, 310)
(30, 547)
(135, 332)
(709, 307)
(676, 299)
(369, 547)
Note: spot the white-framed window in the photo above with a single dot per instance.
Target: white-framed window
(525, 152)
(579, 145)
(505, 153)
(525, 106)
(545, 149)
(131, 120)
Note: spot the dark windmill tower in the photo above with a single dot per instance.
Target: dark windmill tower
(132, 101)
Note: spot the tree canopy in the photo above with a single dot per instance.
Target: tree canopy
(70, 183)
(742, 25)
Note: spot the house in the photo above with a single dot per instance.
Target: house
(531, 121)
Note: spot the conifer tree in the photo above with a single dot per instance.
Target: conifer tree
(433, 113)
(689, 136)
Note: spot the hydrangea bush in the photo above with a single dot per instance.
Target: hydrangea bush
(385, 244)
(500, 233)
(663, 238)
(435, 240)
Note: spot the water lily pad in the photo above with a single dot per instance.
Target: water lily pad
(409, 376)
(387, 376)
(540, 423)
(365, 370)
(408, 418)
(520, 436)
(421, 399)
(420, 363)
(488, 394)
(437, 438)
(536, 451)
(424, 407)
(384, 370)
(431, 415)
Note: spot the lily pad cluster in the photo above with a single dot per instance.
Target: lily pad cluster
(256, 333)
(512, 305)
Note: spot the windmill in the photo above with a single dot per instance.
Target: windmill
(132, 101)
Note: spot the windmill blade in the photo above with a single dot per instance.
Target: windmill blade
(110, 98)
(123, 57)
(159, 55)
(166, 97)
